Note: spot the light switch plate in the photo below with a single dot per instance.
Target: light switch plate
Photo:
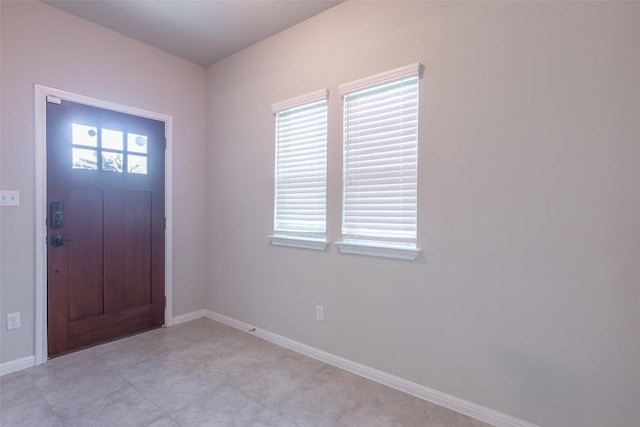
(9, 198)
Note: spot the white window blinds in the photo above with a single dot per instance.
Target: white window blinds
(301, 167)
(381, 158)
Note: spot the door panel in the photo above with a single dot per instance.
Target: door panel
(84, 253)
(113, 251)
(136, 221)
(137, 261)
(106, 262)
(127, 229)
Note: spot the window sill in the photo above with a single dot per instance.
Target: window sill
(385, 250)
(299, 242)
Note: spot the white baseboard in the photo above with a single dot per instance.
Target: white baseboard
(188, 317)
(478, 412)
(17, 365)
(434, 396)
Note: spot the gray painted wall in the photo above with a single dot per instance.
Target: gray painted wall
(527, 298)
(42, 45)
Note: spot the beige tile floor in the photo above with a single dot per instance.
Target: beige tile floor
(203, 373)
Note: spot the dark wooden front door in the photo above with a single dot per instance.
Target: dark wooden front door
(105, 224)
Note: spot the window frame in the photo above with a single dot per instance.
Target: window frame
(395, 247)
(299, 239)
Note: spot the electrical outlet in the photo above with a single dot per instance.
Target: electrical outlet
(13, 320)
(319, 313)
(9, 198)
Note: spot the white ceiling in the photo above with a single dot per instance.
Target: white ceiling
(200, 31)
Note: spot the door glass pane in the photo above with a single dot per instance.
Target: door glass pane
(112, 140)
(84, 135)
(137, 164)
(136, 143)
(112, 162)
(85, 159)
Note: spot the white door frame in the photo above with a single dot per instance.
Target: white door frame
(41, 94)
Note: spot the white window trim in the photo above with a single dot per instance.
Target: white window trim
(299, 242)
(317, 95)
(377, 79)
(378, 249)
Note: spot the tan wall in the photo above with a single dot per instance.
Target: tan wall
(42, 45)
(527, 298)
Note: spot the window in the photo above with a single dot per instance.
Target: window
(380, 177)
(90, 142)
(301, 172)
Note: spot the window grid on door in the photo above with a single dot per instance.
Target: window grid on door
(108, 150)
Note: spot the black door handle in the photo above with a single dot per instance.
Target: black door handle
(58, 240)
